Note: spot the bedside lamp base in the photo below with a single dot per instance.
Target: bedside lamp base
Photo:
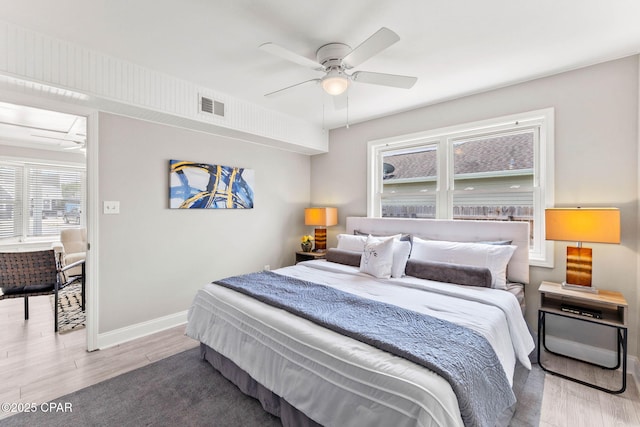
(580, 288)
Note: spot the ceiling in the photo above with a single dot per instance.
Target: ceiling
(455, 48)
(42, 129)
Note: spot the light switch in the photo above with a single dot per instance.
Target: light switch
(111, 208)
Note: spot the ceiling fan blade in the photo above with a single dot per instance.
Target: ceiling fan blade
(379, 41)
(280, 51)
(76, 147)
(280, 91)
(393, 80)
(59, 139)
(340, 102)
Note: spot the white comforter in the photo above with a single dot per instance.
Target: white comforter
(339, 381)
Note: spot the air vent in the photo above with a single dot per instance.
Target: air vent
(209, 106)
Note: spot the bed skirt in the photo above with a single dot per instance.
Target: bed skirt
(289, 415)
(271, 402)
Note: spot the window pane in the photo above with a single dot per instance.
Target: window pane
(418, 165)
(10, 201)
(410, 182)
(55, 197)
(406, 207)
(500, 155)
(493, 178)
(496, 207)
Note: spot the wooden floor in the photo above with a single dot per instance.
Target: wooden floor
(37, 365)
(566, 403)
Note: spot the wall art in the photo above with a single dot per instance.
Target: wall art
(194, 185)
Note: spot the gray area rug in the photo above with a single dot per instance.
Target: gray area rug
(181, 390)
(184, 390)
(529, 388)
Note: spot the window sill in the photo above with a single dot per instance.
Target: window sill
(35, 245)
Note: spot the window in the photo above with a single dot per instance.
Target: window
(500, 170)
(39, 200)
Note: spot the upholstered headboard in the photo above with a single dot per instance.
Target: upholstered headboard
(457, 231)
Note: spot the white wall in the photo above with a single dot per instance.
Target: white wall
(153, 259)
(596, 152)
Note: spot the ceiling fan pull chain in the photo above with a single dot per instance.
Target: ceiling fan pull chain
(347, 110)
(323, 115)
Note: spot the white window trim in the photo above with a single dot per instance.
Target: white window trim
(543, 254)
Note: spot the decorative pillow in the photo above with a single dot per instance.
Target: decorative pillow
(450, 273)
(402, 236)
(493, 257)
(401, 251)
(377, 258)
(344, 257)
(349, 242)
(356, 244)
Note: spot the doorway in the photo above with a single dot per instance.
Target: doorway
(43, 192)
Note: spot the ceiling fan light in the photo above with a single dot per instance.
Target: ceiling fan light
(335, 83)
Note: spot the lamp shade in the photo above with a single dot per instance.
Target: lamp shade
(597, 225)
(324, 217)
(335, 82)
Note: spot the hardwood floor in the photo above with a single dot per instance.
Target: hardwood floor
(37, 365)
(566, 403)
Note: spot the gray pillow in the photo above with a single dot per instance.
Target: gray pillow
(342, 256)
(450, 273)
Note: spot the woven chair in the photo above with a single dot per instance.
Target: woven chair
(29, 274)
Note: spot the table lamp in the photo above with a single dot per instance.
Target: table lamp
(321, 218)
(597, 225)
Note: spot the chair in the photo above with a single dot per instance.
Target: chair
(74, 248)
(25, 274)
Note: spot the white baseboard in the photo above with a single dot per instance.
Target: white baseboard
(593, 354)
(139, 330)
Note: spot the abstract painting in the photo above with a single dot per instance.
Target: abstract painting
(194, 185)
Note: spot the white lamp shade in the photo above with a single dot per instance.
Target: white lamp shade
(335, 82)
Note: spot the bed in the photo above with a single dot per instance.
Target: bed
(308, 371)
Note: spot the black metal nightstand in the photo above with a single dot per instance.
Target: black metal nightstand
(606, 308)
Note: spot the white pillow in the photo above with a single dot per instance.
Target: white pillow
(377, 258)
(350, 242)
(401, 250)
(493, 257)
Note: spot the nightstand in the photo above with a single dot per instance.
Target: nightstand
(308, 256)
(606, 308)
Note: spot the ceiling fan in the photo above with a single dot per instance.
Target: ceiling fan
(335, 59)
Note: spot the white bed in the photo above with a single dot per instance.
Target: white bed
(335, 380)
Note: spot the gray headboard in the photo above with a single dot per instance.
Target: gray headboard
(457, 231)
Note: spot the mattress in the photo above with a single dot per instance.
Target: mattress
(336, 380)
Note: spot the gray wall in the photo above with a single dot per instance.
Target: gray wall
(153, 259)
(596, 161)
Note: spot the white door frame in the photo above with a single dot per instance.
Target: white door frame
(8, 94)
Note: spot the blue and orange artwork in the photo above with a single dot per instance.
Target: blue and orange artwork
(194, 185)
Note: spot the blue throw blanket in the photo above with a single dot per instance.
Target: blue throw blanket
(461, 356)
